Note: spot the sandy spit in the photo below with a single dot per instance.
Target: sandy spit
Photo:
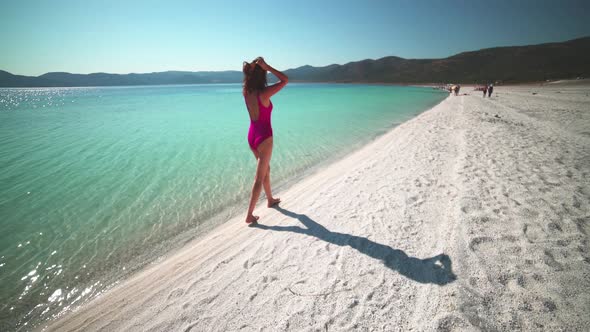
(474, 215)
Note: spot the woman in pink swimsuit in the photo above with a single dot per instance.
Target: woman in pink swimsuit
(257, 96)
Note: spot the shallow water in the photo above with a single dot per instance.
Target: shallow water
(95, 182)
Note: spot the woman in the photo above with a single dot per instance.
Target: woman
(257, 96)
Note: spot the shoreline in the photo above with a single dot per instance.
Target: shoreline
(401, 232)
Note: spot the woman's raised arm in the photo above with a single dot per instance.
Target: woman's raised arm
(270, 90)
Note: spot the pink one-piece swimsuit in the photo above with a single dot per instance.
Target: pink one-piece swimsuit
(260, 129)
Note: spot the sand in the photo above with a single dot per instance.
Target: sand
(472, 216)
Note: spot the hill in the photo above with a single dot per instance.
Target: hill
(507, 64)
(103, 79)
(513, 64)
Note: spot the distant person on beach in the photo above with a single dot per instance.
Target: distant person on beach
(484, 89)
(257, 97)
(457, 88)
(490, 90)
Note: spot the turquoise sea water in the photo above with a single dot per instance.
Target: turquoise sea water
(96, 182)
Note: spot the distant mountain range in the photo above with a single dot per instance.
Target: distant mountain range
(512, 64)
(103, 79)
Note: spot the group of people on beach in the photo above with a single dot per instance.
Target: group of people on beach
(486, 89)
(454, 89)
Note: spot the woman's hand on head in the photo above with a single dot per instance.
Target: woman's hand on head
(260, 61)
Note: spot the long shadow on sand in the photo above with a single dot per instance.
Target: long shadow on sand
(435, 270)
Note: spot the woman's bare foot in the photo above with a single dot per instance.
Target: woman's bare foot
(273, 201)
(251, 219)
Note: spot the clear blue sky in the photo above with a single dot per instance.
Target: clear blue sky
(84, 36)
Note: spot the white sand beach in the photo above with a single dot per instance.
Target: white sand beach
(474, 215)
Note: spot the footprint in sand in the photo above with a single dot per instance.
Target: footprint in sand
(176, 293)
(451, 323)
(476, 242)
(550, 261)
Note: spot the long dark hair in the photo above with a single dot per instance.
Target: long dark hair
(254, 77)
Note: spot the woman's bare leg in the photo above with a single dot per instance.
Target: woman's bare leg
(264, 154)
(266, 185)
(267, 190)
